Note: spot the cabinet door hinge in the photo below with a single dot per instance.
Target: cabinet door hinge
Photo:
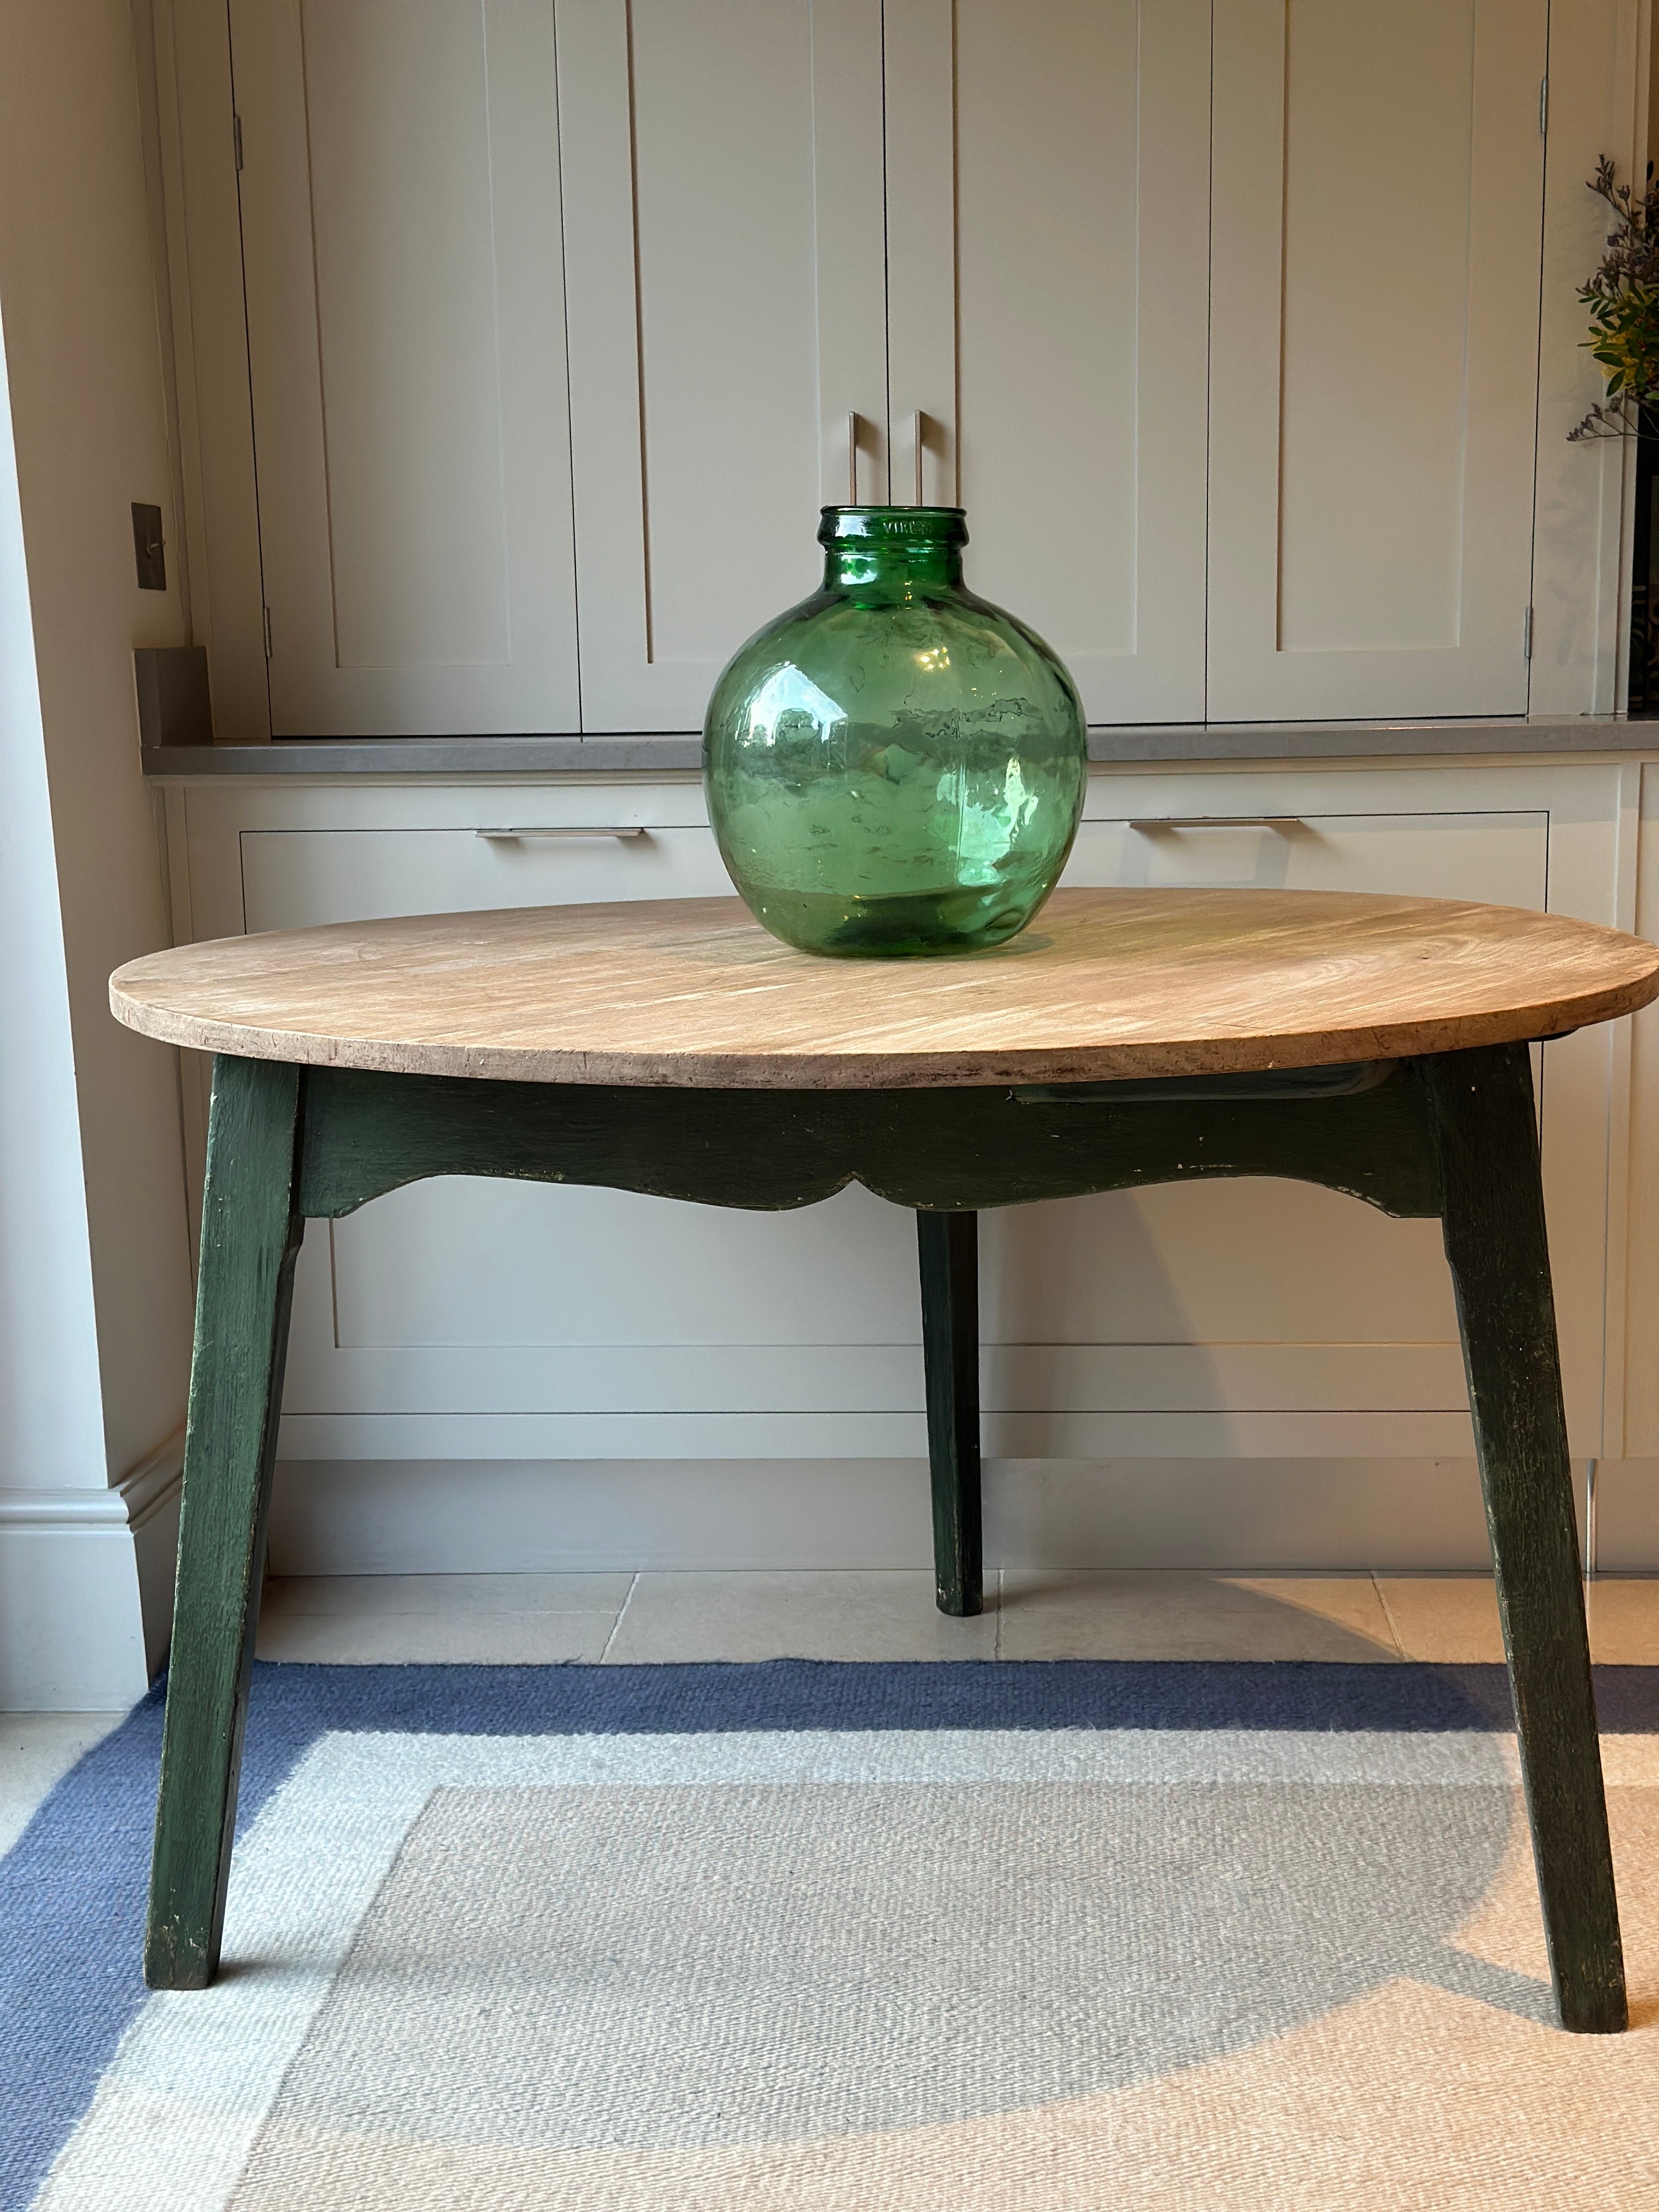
(236, 139)
(267, 615)
(1526, 635)
(1543, 106)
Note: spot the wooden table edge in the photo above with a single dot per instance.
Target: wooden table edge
(849, 1070)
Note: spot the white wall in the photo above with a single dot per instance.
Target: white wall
(95, 1259)
(50, 1418)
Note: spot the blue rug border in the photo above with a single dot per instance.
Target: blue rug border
(72, 1889)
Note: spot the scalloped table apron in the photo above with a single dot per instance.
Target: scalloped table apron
(1378, 1046)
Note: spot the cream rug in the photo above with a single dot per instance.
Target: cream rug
(1147, 1966)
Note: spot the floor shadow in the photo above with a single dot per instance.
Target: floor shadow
(1223, 1616)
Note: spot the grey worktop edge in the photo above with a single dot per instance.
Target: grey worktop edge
(355, 756)
(1215, 742)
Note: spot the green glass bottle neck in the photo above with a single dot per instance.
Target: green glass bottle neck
(917, 572)
(888, 555)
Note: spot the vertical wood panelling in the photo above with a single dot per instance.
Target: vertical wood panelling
(725, 318)
(401, 225)
(1641, 1391)
(755, 191)
(918, 69)
(205, 281)
(1053, 161)
(1376, 194)
(1372, 404)
(849, 205)
(396, 112)
(721, 99)
(1581, 595)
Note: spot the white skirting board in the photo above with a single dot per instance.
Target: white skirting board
(86, 1577)
(483, 1517)
(86, 1589)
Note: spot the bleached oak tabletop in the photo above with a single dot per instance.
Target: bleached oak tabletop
(1104, 985)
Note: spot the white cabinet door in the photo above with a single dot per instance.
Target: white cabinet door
(724, 259)
(1048, 260)
(1376, 189)
(401, 234)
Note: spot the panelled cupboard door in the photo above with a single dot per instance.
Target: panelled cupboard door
(401, 234)
(1047, 255)
(1377, 190)
(722, 167)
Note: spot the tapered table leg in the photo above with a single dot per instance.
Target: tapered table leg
(250, 1235)
(1493, 1209)
(949, 1246)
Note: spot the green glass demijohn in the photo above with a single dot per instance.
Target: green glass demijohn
(894, 767)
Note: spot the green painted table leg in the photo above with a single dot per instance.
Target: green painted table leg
(250, 1235)
(949, 1246)
(1485, 1136)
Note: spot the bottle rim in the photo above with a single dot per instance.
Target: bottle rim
(893, 526)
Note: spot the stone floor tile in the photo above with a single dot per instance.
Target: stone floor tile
(849, 1614)
(1448, 1618)
(444, 1594)
(476, 1637)
(1624, 1620)
(1048, 1615)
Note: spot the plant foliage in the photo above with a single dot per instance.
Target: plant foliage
(1623, 298)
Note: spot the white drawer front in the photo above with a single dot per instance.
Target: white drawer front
(293, 878)
(1500, 857)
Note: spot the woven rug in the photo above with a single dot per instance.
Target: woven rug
(815, 1936)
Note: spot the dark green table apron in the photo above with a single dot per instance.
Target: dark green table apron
(1453, 1135)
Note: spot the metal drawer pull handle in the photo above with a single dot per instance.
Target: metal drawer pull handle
(621, 829)
(1151, 824)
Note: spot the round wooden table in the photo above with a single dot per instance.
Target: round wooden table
(1378, 1046)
